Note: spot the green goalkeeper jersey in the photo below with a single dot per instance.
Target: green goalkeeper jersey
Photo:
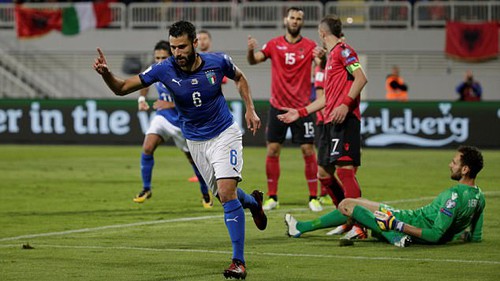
(449, 214)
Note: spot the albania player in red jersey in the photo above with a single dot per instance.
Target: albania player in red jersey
(340, 148)
(291, 58)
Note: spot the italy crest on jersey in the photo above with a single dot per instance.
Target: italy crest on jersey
(211, 77)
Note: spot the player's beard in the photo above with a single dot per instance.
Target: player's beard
(456, 175)
(186, 61)
(294, 32)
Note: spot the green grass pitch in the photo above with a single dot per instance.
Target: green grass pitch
(73, 205)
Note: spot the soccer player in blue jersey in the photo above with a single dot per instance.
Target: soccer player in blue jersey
(213, 138)
(165, 125)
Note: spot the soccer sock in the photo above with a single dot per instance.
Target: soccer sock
(333, 218)
(246, 200)
(333, 189)
(147, 163)
(349, 183)
(273, 174)
(311, 171)
(323, 188)
(203, 184)
(366, 218)
(234, 217)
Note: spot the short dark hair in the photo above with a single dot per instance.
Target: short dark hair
(204, 31)
(163, 45)
(181, 28)
(293, 8)
(334, 25)
(472, 158)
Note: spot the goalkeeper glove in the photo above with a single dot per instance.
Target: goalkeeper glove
(388, 222)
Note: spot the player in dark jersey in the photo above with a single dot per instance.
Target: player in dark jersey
(165, 125)
(291, 61)
(214, 138)
(456, 213)
(340, 150)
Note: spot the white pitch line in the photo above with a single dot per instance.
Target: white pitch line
(107, 227)
(177, 220)
(294, 255)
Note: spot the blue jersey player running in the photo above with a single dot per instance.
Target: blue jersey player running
(165, 125)
(213, 138)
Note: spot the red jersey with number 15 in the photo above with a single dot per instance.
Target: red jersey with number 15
(338, 79)
(290, 71)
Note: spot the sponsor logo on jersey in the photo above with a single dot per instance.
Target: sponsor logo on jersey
(279, 47)
(177, 81)
(211, 76)
(351, 59)
(446, 212)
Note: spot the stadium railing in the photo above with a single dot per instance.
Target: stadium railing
(162, 15)
(372, 14)
(270, 14)
(436, 14)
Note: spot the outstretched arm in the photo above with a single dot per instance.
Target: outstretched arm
(253, 121)
(119, 86)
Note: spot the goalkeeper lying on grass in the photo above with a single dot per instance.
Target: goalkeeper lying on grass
(446, 218)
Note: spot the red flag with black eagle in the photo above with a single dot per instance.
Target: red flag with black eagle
(36, 22)
(472, 41)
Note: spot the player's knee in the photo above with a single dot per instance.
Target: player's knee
(307, 149)
(148, 149)
(346, 207)
(273, 149)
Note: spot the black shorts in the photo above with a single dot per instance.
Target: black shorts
(320, 128)
(302, 129)
(341, 144)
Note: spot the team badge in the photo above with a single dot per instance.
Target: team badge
(194, 81)
(345, 53)
(211, 76)
(450, 204)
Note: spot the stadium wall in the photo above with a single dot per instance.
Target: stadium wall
(419, 53)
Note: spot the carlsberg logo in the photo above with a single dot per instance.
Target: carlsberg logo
(408, 129)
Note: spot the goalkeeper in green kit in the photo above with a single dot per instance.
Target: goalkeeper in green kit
(456, 213)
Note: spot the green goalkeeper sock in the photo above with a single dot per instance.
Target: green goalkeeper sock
(366, 218)
(333, 218)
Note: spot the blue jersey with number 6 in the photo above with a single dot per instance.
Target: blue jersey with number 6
(198, 97)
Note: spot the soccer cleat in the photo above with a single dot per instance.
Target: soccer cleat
(236, 270)
(207, 204)
(270, 204)
(193, 179)
(315, 206)
(325, 199)
(341, 229)
(258, 215)
(141, 197)
(402, 241)
(291, 226)
(356, 232)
